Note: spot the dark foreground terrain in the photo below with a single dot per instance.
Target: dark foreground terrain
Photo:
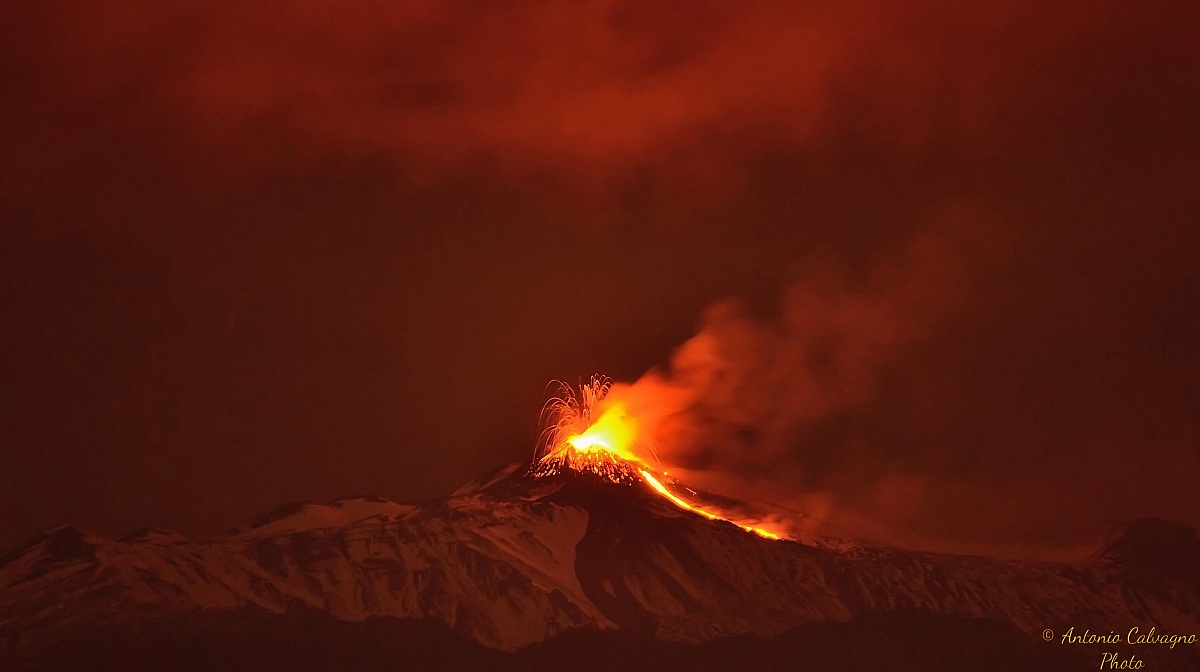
(314, 642)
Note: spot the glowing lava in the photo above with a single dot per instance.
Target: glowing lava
(662, 490)
(613, 432)
(607, 446)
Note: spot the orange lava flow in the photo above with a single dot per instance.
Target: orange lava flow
(575, 438)
(662, 490)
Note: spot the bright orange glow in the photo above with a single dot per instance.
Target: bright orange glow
(572, 427)
(603, 445)
(614, 432)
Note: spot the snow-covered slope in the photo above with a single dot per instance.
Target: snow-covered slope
(514, 560)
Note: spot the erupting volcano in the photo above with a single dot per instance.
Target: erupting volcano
(572, 562)
(590, 432)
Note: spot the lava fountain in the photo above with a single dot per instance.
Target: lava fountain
(587, 431)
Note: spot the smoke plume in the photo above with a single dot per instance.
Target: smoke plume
(734, 407)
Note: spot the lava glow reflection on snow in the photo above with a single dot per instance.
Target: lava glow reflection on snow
(573, 437)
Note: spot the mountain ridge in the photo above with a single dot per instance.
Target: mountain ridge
(514, 560)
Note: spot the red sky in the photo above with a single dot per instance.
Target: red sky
(259, 253)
